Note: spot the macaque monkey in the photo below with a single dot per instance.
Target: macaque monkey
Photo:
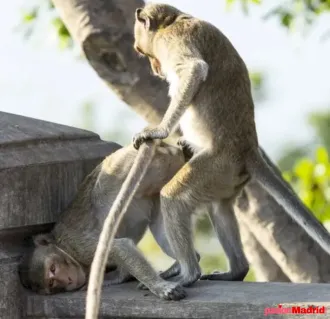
(211, 101)
(60, 261)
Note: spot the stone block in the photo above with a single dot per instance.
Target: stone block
(41, 167)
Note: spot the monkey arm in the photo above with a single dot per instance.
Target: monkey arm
(185, 78)
(118, 276)
(125, 253)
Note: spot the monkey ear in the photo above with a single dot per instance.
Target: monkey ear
(43, 240)
(142, 18)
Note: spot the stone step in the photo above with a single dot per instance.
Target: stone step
(206, 299)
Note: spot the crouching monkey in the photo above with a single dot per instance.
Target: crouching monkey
(60, 261)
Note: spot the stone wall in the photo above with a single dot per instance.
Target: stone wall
(41, 166)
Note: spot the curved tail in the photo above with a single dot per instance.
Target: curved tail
(285, 196)
(111, 224)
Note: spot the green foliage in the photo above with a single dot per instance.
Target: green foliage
(64, 37)
(217, 261)
(304, 11)
(290, 157)
(210, 263)
(286, 12)
(321, 124)
(311, 180)
(203, 224)
(244, 4)
(34, 13)
(289, 13)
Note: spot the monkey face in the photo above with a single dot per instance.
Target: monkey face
(62, 273)
(47, 269)
(142, 34)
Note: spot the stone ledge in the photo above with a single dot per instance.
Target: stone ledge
(218, 300)
(41, 167)
(18, 130)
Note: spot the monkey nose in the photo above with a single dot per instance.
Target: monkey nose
(70, 280)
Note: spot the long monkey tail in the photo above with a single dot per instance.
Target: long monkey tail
(277, 188)
(111, 224)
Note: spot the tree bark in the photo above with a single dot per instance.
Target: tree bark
(277, 248)
(104, 30)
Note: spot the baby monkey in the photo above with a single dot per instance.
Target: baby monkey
(211, 100)
(60, 261)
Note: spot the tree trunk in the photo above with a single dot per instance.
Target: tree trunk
(277, 248)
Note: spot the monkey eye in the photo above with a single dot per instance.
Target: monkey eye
(138, 50)
(52, 268)
(51, 282)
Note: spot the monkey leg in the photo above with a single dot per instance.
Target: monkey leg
(178, 228)
(126, 254)
(118, 276)
(225, 224)
(204, 179)
(175, 269)
(158, 231)
(178, 201)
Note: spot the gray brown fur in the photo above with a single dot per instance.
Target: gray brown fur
(77, 231)
(211, 100)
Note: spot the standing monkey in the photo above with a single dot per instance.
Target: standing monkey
(211, 100)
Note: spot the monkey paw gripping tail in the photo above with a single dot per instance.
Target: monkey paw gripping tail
(112, 223)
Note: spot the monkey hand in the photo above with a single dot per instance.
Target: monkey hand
(185, 147)
(149, 134)
(181, 142)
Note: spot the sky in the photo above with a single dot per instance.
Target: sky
(39, 80)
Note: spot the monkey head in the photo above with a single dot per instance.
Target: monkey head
(47, 269)
(148, 21)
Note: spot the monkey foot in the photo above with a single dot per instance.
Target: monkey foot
(142, 286)
(187, 281)
(171, 272)
(169, 291)
(225, 276)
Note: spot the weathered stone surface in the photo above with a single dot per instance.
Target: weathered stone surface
(41, 166)
(218, 300)
(10, 291)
